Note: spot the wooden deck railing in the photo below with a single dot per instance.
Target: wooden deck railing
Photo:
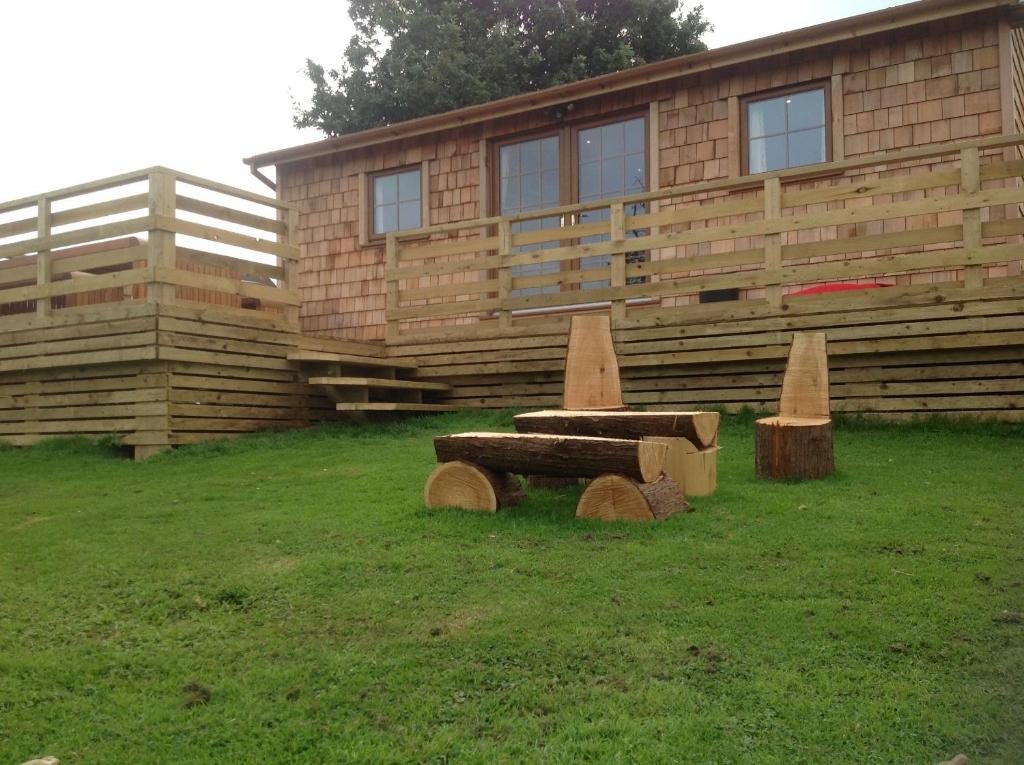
(129, 247)
(949, 210)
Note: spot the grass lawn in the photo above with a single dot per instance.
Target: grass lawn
(287, 598)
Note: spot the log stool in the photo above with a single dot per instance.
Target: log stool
(798, 442)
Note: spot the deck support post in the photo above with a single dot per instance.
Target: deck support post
(391, 297)
(504, 273)
(290, 265)
(970, 183)
(773, 242)
(160, 252)
(44, 264)
(618, 259)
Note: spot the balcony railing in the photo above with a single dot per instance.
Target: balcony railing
(148, 235)
(944, 213)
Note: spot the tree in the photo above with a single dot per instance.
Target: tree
(411, 58)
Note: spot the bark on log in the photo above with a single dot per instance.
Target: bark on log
(571, 456)
(551, 481)
(699, 428)
(794, 447)
(618, 498)
(471, 487)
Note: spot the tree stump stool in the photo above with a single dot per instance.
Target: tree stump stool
(798, 442)
(794, 447)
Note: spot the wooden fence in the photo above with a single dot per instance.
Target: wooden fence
(62, 251)
(930, 235)
(884, 218)
(116, 315)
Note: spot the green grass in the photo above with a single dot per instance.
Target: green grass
(286, 598)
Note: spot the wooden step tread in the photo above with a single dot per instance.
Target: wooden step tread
(387, 406)
(345, 358)
(374, 382)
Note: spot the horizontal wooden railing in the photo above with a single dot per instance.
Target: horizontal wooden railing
(946, 209)
(131, 247)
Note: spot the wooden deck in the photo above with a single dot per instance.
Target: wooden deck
(160, 307)
(119, 316)
(939, 227)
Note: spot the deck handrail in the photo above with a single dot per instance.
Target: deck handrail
(745, 233)
(158, 269)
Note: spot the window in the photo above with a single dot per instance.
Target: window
(612, 162)
(529, 180)
(787, 129)
(397, 201)
(575, 164)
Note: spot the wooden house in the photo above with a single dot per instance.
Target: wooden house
(860, 177)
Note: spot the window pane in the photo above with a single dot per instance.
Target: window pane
(510, 200)
(409, 186)
(550, 188)
(409, 214)
(613, 177)
(806, 147)
(549, 152)
(634, 136)
(635, 181)
(613, 140)
(530, 190)
(509, 160)
(385, 219)
(806, 110)
(767, 154)
(385, 190)
(590, 145)
(766, 117)
(529, 157)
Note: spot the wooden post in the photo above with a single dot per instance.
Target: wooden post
(391, 297)
(161, 247)
(504, 273)
(618, 259)
(970, 183)
(773, 242)
(44, 265)
(291, 266)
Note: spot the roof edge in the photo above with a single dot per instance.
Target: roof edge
(850, 27)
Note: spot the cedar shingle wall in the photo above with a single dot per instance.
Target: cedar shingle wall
(929, 84)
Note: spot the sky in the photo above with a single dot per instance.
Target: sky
(93, 88)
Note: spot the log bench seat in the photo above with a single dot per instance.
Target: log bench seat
(478, 472)
(691, 439)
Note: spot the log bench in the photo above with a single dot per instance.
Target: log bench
(691, 439)
(478, 472)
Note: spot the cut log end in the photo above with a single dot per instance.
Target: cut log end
(618, 498)
(793, 447)
(471, 487)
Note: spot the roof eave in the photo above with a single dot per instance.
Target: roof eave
(830, 32)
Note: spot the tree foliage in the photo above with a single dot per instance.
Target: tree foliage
(410, 58)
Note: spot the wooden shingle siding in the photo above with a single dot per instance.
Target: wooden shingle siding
(910, 87)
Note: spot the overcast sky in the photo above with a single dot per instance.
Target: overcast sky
(93, 88)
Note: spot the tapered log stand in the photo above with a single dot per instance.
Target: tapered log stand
(798, 442)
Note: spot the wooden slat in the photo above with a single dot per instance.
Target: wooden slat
(229, 214)
(217, 234)
(223, 284)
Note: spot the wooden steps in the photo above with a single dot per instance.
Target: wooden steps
(392, 406)
(357, 383)
(348, 359)
(375, 382)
